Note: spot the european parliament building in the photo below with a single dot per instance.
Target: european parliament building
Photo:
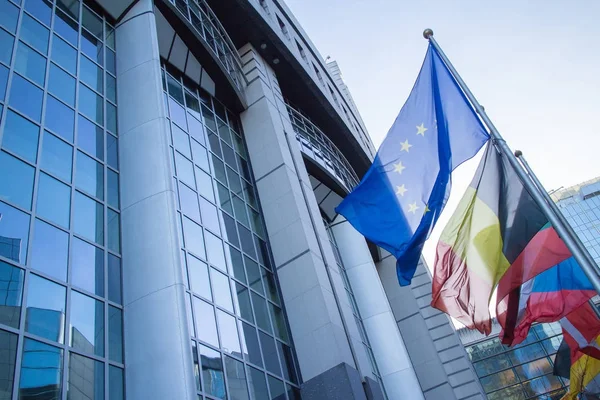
(169, 171)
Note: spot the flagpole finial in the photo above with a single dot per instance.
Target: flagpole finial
(427, 33)
(518, 153)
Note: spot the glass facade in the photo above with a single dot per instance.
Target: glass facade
(60, 267)
(239, 335)
(523, 371)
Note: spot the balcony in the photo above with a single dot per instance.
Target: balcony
(317, 146)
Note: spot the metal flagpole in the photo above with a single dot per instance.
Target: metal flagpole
(589, 268)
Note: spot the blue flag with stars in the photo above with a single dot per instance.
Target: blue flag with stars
(402, 195)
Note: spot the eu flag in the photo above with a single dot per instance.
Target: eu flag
(402, 195)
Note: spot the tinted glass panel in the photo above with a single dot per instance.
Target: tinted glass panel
(41, 371)
(91, 22)
(6, 45)
(16, 181)
(62, 85)
(115, 383)
(92, 47)
(30, 64)
(3, 81)
(86, 378)
(91, 74)
(8, 15)
(89, 218)
(53, 200)
(177, 114)
(111, 65)
(210, 219)
(194, 239)
(115, 334)
(205, 187)
(221, 291)
(199, 280)
(279, 322)
(26, 97)
(185, 170)
(111, 88)
(114, 231)
(87, 267)
(91, 138)
(250, 344)
(260, 309)
(287, 362)
(90, 175)
(269, 353)
(114, 279)
(277, 389)
(34, 33)
(214, 247)
(258, 384)
(91, 104)
(14, 230)
(11, 295)
(212, 372)
(230, 341)
(111, 118)
(60, 118)
(64, 55)
(181, 141)
(57, 157)
(66, 27)
(189, 202)
(206, 328)
(112, 182)
(242, 301)
(200, 156)
(8, 347)
(70, 7)
(236, 379)
(50, 250)
(45, 309)
(112, 150)
(87, 324)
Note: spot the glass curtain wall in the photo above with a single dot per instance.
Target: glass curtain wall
(522, 372)
(60, 265)
(239, 337)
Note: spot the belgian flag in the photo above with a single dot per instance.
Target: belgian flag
(498, 234)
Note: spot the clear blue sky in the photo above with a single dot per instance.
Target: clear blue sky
(534, 65)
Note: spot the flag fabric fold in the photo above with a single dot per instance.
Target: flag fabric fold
(402, 195)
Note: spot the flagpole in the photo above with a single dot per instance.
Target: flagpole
(588, 268)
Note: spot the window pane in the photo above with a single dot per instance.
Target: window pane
(90, 138)
(115, 334)
(230, 231)
(112, 180)
(16, 181)
(189, 202)
(194, 239)
(269, 353)
(247, 242)
(185, 170)
(253, 271)
(212, 372)
(287, 362)
(205, 185)
(235, 257)
(62, 85)
(65, 26)
(260, 309)
(64, 55)
(57, 157)
(50, 250)
(541, 385)
(199, 281)
(86, 378)
(91, 22)
(114, 279)
(30, 64)
(14, 233)
(112, 150)
(221, 291)
(111, 88)
(26, 97)
(60, 118)
(87, 324)
(115, 383)
(250, 346)
(200, 155)
(114, 231)
(230, 342)
(9, 14)
(279, 322)
(181, 141)
(41, 371)
(242, 301)
(90, 175)
(91, 104)
(214, 247)
(3, 81)
(258, 385)
(206, 328)
(20, 136)
(45, 309)
(11, 295)
(89, 218)
(92, 47)
(87, 267)
(534, 369)
(196, 129)
(34, 33)
(210, 219)
(277, 388)
(91, 74)
(196, 366)
(175, 89)
(111, 118)
(269, 280)
(53, 200)
(8, 348)
(236, 379)
(41, 9)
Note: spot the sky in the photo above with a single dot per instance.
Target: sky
(534, 65)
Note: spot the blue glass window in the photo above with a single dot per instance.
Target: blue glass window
(212, 372)
(86, 378)
(14, 233)
(89, 175)
(112, 151)
(50, 250)
(177, 114)
(199, 280)
(115, 334)
(16, 181)
(287, 362)
(57, 157)
(64, 55)
(114, 279)
(196, 129)
(91, 104)
(30, 64)
(112, 182)
(11, 295)
(242, 301)
(221, 290)
(110, 61)
(45, 309)
(90, 138)
(60, 118)
(91, 22)
(66, 27)
(277, 389)
(210, 217)
(181, 141)
(260, 310)
(205, 184)
(252, 348)
(214, 248)
(41, 9)
(91, 74)
(20, 136)
(87, 267)
(41, 371)
(230, 340)
(62, 85)
(91, 47)
(236, 379)
(9, 14)
(26, 97)
(111, 88)
(205, 322)
(189, 202)
(114, 231)
(111, 117)
(270, 353)
(89, 218)
(3, 81)
(35, 34)
(185, 170)
(200, 156)
(87, 324)
(8, 344)
(194, 238)
(70, 7)
(115, 383)
(53, 200)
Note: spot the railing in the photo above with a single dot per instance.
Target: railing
(319, 148)
(207, 25)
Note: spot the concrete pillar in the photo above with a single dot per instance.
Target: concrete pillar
(397, 373)
(157, 346)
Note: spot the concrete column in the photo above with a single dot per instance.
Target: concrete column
(157, 346)
(391, 355)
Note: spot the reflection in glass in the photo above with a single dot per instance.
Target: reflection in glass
(30, 64)
(210, 220)
(91, 74)
(14, 233)
(60, 118)
(86, 378)
(221, 291)
(230, 231)
(287, 362)
(194, 238)
(111, 88)
(9, 15)
(181, 141)
(250, 346)
(41, 371)
(92, 47)
(243, 302)
(20, 136)
(87, 324)
(206, 328)
(212, 372)
(34, 33)
(91, 22)
(279, 322)
(41, 9)
(90, 175)
(53, 200)
(26, 98)
(8, 348)
(115, 383)
(11, 295)
(114, 279)
(277, 388)
(189, 202)
(57, 157)
(64, 55)
(198, 272)
(269, 353)
(3, 81)
(87, 267)
(185, 170)
(66, 27)
(260, 309)
(112, 150)
(90, 138)
(114, 231)
(91, 104)
(257, 383)
(50, 250)
(253, 271)
(196, 366)
(230, 342)
(115, 334)
(205, 187)
(88, 218)
(112, 183)
(111, 118)
(214, 248)
(16, 181)
(62, 84)
(236, 379)
(45, 309)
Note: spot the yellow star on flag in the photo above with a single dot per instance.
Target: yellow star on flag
(401, 190)
(405, 146)
(412, 208)
(399, 167)
(421, 130)
(426, 209)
